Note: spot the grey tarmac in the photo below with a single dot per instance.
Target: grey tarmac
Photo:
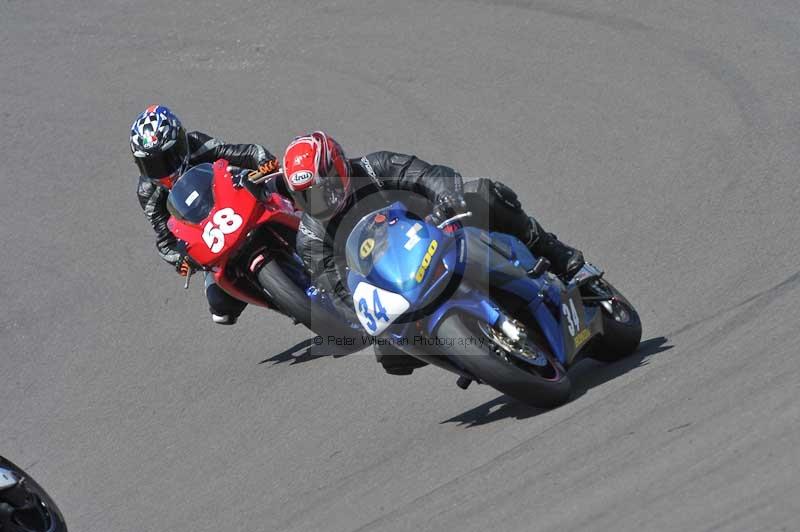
(661, 138)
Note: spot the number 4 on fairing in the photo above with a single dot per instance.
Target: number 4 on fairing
(378, 312)
(571, 314)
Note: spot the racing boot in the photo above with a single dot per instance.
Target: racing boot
(225, 309)
(224, 319)
(565, 261)
(395, 362)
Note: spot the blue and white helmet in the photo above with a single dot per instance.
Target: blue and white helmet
(159, 144)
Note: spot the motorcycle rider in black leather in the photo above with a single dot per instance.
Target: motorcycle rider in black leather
(163, 151)
(328, 186)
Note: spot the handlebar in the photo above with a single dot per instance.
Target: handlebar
(452, 219)
(257, 178)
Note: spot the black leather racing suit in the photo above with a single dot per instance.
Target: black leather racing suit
(153, 200)
(381, 177)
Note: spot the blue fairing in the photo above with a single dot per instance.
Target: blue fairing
(401, 243)
(404, 255)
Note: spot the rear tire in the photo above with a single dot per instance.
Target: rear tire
(622, 330)
(481, 360)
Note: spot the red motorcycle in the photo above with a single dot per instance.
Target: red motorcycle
(245, 236)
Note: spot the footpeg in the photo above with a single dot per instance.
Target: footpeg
(541, 266)
(463, 382)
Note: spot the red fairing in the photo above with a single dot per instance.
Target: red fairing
(222, 280)
(235, 213)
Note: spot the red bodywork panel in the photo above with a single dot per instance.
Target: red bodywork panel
(253, 213)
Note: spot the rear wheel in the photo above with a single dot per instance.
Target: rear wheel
(529, 372)
(622, 328)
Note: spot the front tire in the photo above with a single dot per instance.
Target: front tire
(292, 301)
(482, 358)
(284, 293)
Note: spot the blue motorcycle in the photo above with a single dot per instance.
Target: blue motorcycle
(480, 305)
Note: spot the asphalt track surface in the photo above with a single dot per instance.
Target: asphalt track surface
(661, 138)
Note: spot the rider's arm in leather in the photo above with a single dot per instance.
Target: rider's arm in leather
(397, 171)
(318, 258)
(153, 200)
(206, 149)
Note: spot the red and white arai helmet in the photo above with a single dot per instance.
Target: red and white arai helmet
(318, 174)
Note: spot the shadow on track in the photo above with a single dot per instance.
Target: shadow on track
(307, 351)
(296, 354)
(585, 375)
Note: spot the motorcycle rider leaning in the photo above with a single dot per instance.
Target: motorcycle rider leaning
(163, 151)
(328, 186)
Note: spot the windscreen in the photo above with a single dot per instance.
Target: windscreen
(192, 197)
(367, 243)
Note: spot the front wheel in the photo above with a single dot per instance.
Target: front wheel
(292, 301)
(289, 298)
(480, 349)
